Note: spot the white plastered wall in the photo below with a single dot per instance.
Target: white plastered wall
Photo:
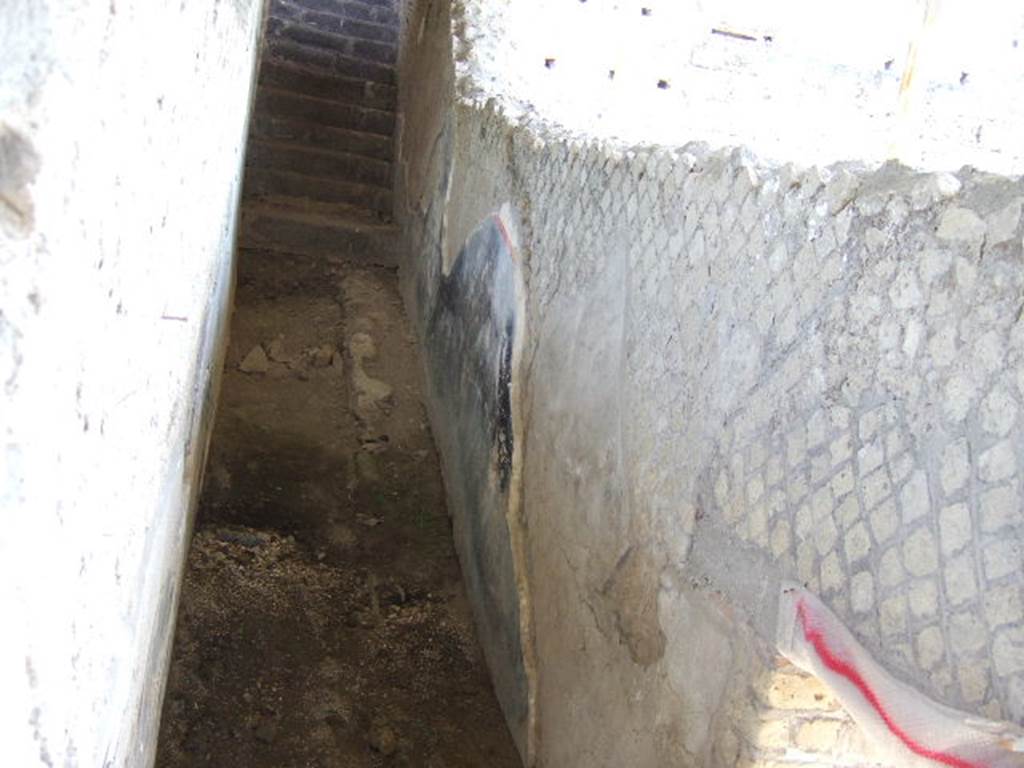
(122, 130)
(931, 83)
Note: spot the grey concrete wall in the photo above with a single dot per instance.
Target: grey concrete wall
(731, 373)
(122, 128)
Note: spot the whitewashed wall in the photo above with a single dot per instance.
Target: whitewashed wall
(927, 82)
(122, 128)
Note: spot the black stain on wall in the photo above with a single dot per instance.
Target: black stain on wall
(475, 322)
(471, 334)
(503, 437)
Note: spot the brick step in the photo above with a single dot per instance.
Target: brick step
(262, 183)
(380, 11)
(316, 136)
(329, 62)
(332, 114)
(336, 43)
(384, 12)
(288, 77)
(280, 156)
(350, 19)
(383, 15)
(346, 234)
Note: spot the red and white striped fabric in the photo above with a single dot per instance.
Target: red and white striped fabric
(909, 728)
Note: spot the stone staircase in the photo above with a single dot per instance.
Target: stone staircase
(318, 164)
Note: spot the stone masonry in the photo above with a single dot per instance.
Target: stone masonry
(320, 147)
(738, 373)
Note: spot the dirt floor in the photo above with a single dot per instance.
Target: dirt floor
(322, 621)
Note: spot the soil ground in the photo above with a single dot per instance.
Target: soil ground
(322, 621)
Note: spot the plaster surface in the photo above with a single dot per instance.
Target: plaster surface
(925, 82)
(474, 334)
(122, 128)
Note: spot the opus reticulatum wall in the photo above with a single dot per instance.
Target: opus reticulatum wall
(730, 372)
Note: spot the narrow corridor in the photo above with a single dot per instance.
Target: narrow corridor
(322, 621)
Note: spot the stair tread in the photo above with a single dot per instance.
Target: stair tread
(323, 178)
(339, 88)
(291, 225)
(281, 103)
(318, 164)
(362, 26)
(311, 134)
(340, 215)
(304, 122)
(330, 180)
(374, 10)
(261, 185)
(299, 95)
(312, 149)
(328, 62)
(340, 42)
